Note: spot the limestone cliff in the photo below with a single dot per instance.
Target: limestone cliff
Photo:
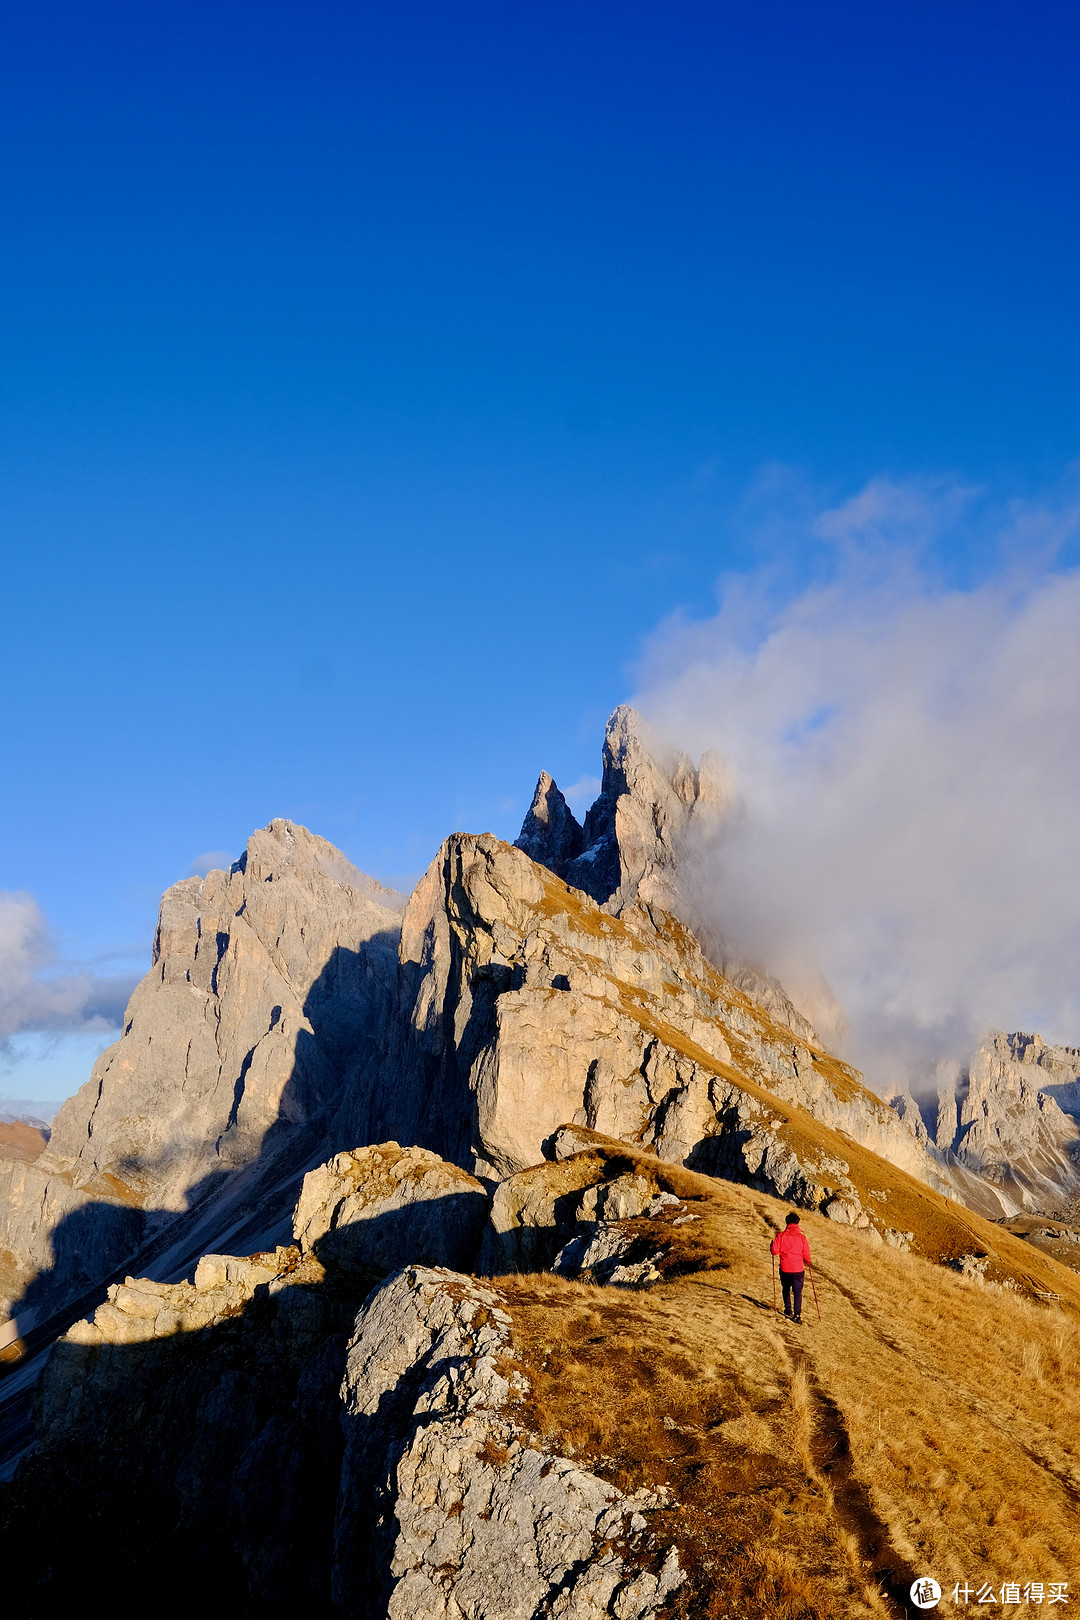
(526, 1004)
(293, 1011)
(442, 1492)
(628, 850)
(637, 849)
(1013, 1118)
(266, 1005)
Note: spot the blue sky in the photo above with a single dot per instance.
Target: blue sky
(375, 380)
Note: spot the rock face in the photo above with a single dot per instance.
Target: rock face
(379, 1208)
(651, 810)
(541, 1019)
(265, 1009)
(537, 1212)
(446, 1508)
(224, 1423)
(628, 849)
(528, 1005)
(551, 834)
(1013, 1119)
(293, 1013)
(558, 1209)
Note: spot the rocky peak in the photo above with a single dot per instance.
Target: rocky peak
(1054, 1069)
(632, 848)
(551, 834)
(527, 1005)
(629, 846)
(265, 1005)
(1009, 1116)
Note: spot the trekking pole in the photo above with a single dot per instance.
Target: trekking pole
(774, 1282)
(813, 1285)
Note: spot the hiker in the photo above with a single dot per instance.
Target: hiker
(794, 1252)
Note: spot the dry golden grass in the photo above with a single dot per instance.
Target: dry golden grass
(929, 1423)
(561, 904)
(942, 1228)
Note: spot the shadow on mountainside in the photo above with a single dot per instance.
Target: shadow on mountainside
(206, 1462)
(798, 1466)
(240, 1207)
(216, 1452)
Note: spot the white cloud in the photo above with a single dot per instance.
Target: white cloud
(580, 795)
(907, 758)
(212, 860)
(41, 993)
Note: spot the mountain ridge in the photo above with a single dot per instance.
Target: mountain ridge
(295, 1007)
(326, 1095)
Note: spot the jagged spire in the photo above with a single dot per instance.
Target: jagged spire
(551, 834)
(628, 846)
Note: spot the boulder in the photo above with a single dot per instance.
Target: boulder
(612, 1256)
(377, 1208)
(538, 1213)
(846, 1211)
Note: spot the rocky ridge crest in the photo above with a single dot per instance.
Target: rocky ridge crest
(295, 1008)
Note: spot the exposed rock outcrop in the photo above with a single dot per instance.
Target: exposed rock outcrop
(529, 1006)
(536, 1448)
(550, 833)
(445, 1501)
(271, 983)
(542, 1018)
(536, 1213)
(378, 1208)
(284, 1022)
(1013, 1119)
(654, 812)
(430, 1484)
(628, 850)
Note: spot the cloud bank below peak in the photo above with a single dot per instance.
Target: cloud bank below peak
(906, 751)
(41, 993)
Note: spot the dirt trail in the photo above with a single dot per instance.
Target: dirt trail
(831, 1450)
(830, 1447)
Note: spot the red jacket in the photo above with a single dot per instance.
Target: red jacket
(792, 1247)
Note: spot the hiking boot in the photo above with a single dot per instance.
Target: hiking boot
(787, 1313)
(797, 1320)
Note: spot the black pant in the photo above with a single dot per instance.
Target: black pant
(791, 1283)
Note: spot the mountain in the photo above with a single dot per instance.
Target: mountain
(295, 1008)
(264, 1009)
(1014, 1117)
(532, 1069)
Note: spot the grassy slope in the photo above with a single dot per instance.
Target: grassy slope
(942, 1228)
(927, 1424)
